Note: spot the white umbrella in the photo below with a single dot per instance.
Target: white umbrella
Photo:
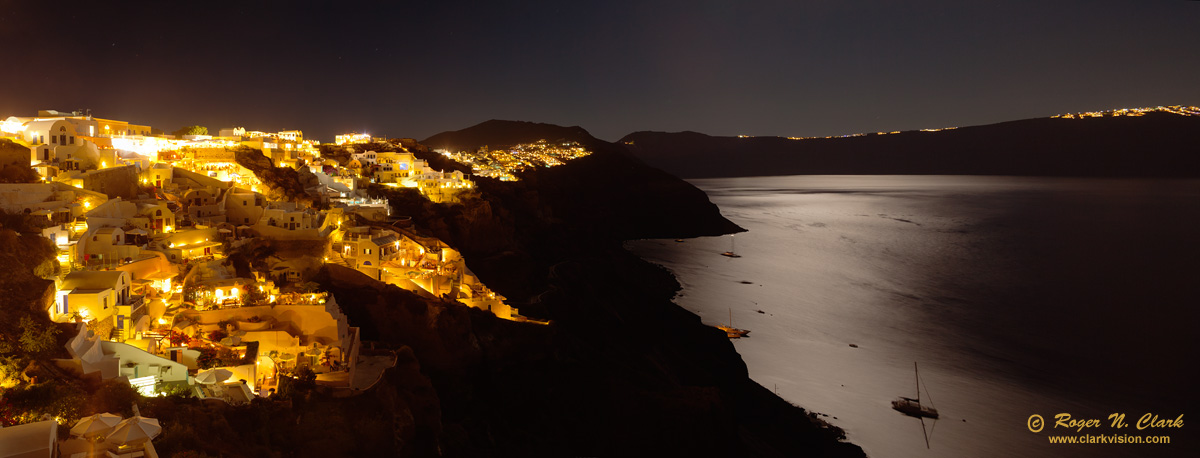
(137, 231)
(234, 339)
(95, 425)
(133, 431)
(213, 376)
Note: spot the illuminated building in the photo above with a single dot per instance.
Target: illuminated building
(351, 138)
(96, 295)
(403, 169)
(133, 359)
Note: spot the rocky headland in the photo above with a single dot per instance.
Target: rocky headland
(619, 370)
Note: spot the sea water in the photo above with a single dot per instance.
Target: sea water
(1015, 296)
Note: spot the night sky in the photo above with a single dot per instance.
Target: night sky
(790, 68)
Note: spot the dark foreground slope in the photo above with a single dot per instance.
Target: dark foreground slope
(1155, 145)
(621, 371)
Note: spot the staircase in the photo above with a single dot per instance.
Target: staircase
(336, 258)
(159, 338)
(64, 264)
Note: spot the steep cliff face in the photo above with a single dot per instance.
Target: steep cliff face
(553, 213)
(621, 370)
(282, 183)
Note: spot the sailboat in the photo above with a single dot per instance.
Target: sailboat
(730, 253)
(912, 407)
(732, 332)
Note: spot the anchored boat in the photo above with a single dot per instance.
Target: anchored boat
(732, 332)
(913, 407)
(731, 253)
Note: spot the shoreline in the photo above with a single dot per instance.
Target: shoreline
(835, 270)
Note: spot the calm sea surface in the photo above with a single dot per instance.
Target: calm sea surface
(1017, 296)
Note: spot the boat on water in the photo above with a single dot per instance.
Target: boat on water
(912, 406)
(731, 253)
(732, 332)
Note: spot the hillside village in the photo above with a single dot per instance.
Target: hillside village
(262, 294)
(503, 163)
(184, 272)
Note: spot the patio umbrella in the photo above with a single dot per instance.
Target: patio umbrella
(95, 425)
(234, 339)
(137, 231)
(213, 376)
(134, 431)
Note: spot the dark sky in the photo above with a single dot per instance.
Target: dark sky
(791, 68)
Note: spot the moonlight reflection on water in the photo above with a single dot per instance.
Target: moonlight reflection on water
(1018, 296)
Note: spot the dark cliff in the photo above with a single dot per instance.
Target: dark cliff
(282, 183)
(621, 370)
(1154, 145)
(552, 213)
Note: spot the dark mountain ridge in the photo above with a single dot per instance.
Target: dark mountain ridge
(1154, 145)
(500, 133)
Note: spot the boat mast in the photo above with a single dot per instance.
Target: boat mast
(918, 372)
